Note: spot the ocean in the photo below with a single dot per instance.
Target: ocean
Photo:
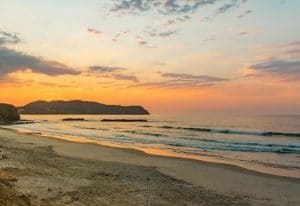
(268, 144)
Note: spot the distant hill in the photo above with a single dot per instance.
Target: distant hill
(79, 107)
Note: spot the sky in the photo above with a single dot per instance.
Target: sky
(170, 56)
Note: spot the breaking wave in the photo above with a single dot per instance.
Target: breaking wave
(228, 131)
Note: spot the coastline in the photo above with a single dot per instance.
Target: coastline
(166, 153)
(153, 152)
(232, 181)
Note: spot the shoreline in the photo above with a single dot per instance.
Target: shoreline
(218, 177)
(156, 152)
(83, 140)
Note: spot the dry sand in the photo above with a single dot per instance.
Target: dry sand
(37, 170)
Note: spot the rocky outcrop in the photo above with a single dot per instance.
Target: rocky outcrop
(123, 120)
(8, 113)
(79, 107)
(73, 119)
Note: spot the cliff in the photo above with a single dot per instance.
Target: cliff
(79, 107)
(8, 113)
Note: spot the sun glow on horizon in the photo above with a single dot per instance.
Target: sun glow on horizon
(185, 58)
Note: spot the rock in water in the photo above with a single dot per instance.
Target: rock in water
(72, 119)
(124, 120)
(8, 113)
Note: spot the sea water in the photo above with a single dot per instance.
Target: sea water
(268, 144)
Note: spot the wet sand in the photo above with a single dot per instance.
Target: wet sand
(37, 170)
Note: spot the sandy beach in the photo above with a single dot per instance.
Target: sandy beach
(39, 170)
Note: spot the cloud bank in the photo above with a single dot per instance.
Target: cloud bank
(284, 69)
(12, 61)
(286, 66)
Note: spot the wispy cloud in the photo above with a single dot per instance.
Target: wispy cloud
(112, 72)
(143, 43)
(105, 69)
(293, 48)
(93, 31)
(169, 13)
(176, 20)
(120, 35)
(160, 63)
(212, 38)
(167, 33)
(125, 77)
(199, 78)
(204, 19)
(166, 7)
(182, 80)
(245, 13)
(243, 33)
(159, 33)
(230, 5)
(169, 7)
(8, 38)
(175, 84)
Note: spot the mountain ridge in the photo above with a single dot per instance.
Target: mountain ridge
(79, 107)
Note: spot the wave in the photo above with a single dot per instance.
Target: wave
(222, 145)
(280, 165)
(228, 131)
(240, 147)
(91, 128)
(146, 133)
(248, 143)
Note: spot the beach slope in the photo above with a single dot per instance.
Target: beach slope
(37, 170)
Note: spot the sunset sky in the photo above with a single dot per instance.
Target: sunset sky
(171, 56)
